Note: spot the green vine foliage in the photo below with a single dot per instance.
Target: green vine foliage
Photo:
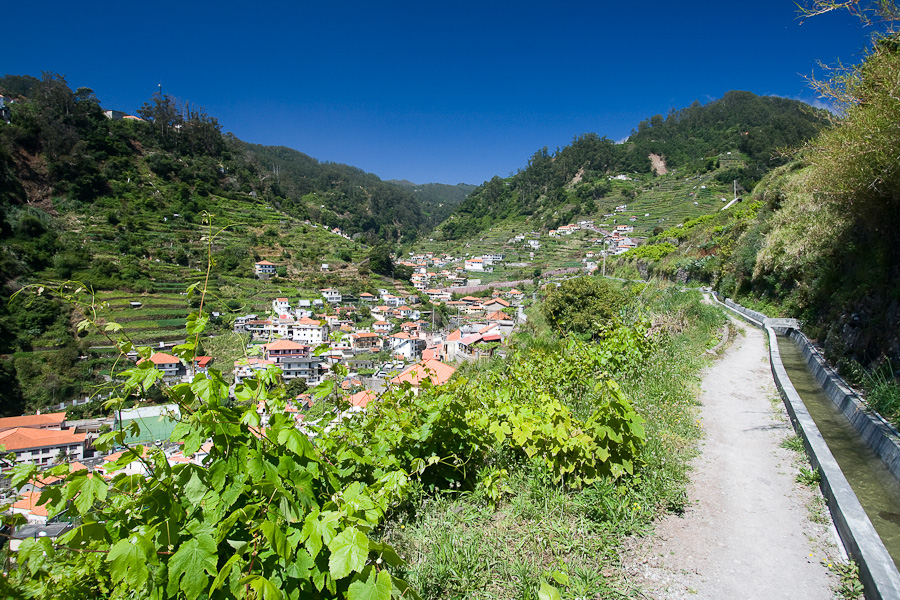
(266, 516)
(272, 514)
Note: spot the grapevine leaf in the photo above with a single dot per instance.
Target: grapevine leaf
(376, 587)
(188, 565)
(196, 323)
(224, 572)
(264, 588)
(128, 560)
(386, 553)
(296, 442)
(195, 489)
(208, 390)
(548, 592)
(349, 551)
(89, 488)
(276, 538)
(22, 473)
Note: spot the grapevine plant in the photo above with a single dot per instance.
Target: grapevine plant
(276, 513)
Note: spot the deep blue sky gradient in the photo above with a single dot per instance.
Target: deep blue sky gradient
(444, 92)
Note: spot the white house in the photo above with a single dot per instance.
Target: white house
(331, 295)
(265, 268)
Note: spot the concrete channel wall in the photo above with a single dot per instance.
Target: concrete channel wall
(877, 570)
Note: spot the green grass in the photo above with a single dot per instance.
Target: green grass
(468, 544)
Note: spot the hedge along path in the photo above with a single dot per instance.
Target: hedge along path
(746, 532)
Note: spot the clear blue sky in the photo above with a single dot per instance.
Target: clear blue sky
(426, 91)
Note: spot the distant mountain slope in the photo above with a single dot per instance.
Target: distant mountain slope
(338, 195)
(572, 179)
(438, 199)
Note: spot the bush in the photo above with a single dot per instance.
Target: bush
(583, 306)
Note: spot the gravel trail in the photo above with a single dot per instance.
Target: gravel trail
(747, 531)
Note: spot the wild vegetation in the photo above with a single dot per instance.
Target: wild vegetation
(560, 449)
(816, 238)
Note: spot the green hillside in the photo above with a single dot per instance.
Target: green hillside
(138, 207)
(737, 138)
(817, 238)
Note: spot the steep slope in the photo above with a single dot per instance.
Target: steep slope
(817, 239)
(697, 139)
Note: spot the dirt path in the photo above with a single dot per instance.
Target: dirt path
(747, 532)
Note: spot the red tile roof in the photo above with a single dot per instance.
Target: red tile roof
(29, 503)
(284, 345)
(203, 361)
(362, 399)
(435, 370)
(56, 419)
(161, 358)
(22, 438)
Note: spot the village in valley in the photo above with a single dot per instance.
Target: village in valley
(401, 336)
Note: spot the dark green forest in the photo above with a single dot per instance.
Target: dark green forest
(690, 140)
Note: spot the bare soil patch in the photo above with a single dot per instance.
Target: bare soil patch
(658, 164)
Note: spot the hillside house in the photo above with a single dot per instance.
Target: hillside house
(365, 342)
(55, 421)
(265, 269)
(309, 331)
(331, 295)
(295, 361)
(281, 306)
(171, 366)
(432, 370)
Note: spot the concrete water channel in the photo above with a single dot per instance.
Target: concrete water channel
(854, 450)
(875, 487)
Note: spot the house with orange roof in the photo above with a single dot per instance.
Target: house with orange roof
(433, 370)
(295, 361)
(365, 341)
(496, 304)
(55, 420)
(43, 447)
(382, 327)
(432, 352)
(406, 346)
(281, 306)
(201, 363)
(28, 505)
(171, 366)
(452, 344)
(309, 331)
(367, 297)
(361, 399)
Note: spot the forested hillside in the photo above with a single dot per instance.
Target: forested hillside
(817, 240)
(340, 195)
(574, 178)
